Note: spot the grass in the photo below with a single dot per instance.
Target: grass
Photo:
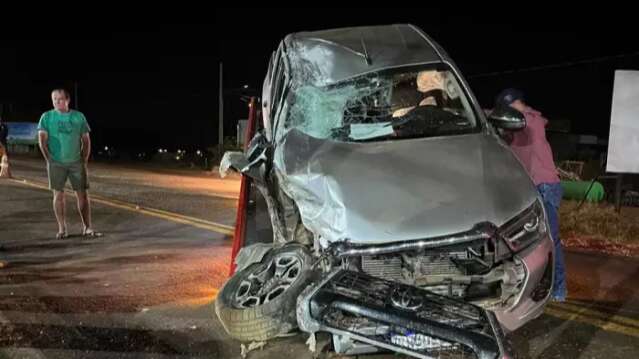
(599, 222)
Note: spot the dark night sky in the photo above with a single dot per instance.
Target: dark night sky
(156, 83)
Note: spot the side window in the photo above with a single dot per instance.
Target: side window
(266, 97)
(278, 85)
(268, 83)
(277, 89)
(274, 78)
(272, 91)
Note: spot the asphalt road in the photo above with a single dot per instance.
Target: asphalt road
(147, 288)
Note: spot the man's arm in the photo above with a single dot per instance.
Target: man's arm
(43, 139)
(86, 147)
(506, 135)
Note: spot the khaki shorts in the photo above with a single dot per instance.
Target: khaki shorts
(76, 173)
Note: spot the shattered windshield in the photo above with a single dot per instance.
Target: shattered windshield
(399, 104)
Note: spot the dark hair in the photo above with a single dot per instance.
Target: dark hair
(64, 91)
(508, 96)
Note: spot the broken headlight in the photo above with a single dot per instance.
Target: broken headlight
(525, 228)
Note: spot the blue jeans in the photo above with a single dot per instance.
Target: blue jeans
(551, 194)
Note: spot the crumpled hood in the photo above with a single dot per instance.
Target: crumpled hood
(401, 190)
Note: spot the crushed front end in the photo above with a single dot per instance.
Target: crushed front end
(443, 297)
(399, 317)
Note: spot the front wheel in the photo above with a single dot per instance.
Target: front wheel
(258, 302)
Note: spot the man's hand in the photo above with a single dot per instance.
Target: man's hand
(86, 148)
(505, 135)
(43, 140)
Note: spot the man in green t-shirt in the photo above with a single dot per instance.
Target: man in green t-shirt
(65, 143)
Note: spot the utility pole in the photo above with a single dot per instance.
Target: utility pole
(75, 90)
(221, 116)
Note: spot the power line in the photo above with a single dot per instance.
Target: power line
(556, 65)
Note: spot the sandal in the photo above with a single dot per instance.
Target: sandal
(62, 235)
(89, 232)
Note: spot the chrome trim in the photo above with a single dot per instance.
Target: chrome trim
(347, 250)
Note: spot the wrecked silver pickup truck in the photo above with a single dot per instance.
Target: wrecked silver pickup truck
(400, 220)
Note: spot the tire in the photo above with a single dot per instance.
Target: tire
(247, 317)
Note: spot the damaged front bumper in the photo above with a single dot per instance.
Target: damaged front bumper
(399, 318)
(535, 293)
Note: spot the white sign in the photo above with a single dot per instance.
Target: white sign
(623, 144)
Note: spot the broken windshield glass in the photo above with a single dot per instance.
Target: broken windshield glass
(404, 103)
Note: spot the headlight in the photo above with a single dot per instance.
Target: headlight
(525, 228)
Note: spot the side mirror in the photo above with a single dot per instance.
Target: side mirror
(248, 163)
(507, 118)
(238, 162)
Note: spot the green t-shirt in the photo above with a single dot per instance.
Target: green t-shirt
(65, 132)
